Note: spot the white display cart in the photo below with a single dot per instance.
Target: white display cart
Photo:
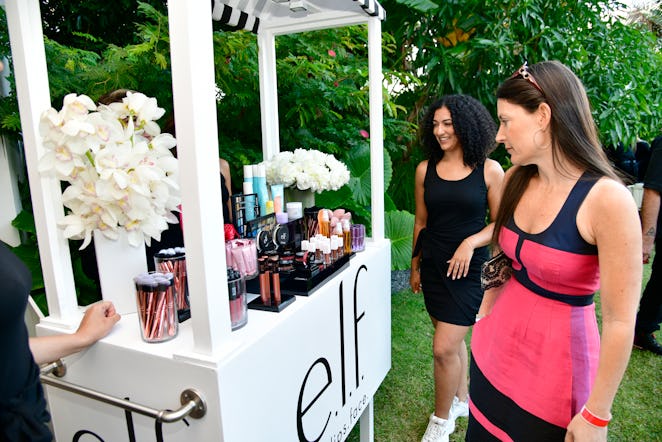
(308, 373)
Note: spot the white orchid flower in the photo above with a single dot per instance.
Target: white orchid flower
(121, 171)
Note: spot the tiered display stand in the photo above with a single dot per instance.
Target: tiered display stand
(307, 373)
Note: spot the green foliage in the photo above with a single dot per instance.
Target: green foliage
(28, 252)
(399, 226)
(92, 24)
(471, 46)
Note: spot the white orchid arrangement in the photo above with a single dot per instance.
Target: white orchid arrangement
(307, 169)
(120, 170)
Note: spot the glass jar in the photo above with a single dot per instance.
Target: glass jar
(157, 312)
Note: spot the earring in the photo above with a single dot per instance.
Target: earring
(540, 145)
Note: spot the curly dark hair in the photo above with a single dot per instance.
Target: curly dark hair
(474, 127)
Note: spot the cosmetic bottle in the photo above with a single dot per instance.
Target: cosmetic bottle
(316, 245)
(264, 276)
(275, 279)
(294, 210)
(260, 187)
(249, 201)
(358, 237)
(277, 195)
(341, 246)
(249, 198)
(326, 254)
(332, 248)
(281, 218)
(347, 237)
(323, 220)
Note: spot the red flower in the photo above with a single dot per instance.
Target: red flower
(364, 133)
(332, 53)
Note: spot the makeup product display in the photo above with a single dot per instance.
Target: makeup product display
(237, 298)
(296, 256)
(241, 255)
(271, 297)
(309, 276)
(157, 312)
(259, 224)
(358, 237)
(174, 261)
(244, 210)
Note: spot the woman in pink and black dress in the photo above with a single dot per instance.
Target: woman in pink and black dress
(538, 371)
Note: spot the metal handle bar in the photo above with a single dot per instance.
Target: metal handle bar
(193, 404)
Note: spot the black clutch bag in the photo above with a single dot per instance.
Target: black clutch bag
(495, 271)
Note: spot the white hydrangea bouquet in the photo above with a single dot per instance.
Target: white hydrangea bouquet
(120, 170)
(307, 170)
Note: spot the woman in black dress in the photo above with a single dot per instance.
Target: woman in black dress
(455, 187)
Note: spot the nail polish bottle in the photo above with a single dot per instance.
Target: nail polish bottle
(323, 220)
(347, 236)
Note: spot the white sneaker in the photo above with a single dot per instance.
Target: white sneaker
(458, 409)
(438, 429)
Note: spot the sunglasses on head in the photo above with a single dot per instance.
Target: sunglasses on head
(525, 74)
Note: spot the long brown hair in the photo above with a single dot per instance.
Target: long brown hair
(573, 131)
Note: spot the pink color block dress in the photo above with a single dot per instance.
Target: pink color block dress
(535, 356)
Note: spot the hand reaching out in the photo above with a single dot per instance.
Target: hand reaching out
(97, 322)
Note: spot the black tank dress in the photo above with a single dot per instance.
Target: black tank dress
(456, 210)
(22, 405)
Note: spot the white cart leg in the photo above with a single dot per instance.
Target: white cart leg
(367, 423)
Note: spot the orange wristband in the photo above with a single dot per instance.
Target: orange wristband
(593, 419)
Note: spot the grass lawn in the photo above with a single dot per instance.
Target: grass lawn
(405, 399)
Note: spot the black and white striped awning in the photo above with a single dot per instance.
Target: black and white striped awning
(233, 17)
(247, 14)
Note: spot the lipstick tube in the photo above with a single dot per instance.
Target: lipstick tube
(275, 279)
(265, 286)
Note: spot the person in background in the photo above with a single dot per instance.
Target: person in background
(650, 305)
(23, 414)
(625, 161)
(226, 190)
(538, 369)
(454, 189)
(642, 153)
